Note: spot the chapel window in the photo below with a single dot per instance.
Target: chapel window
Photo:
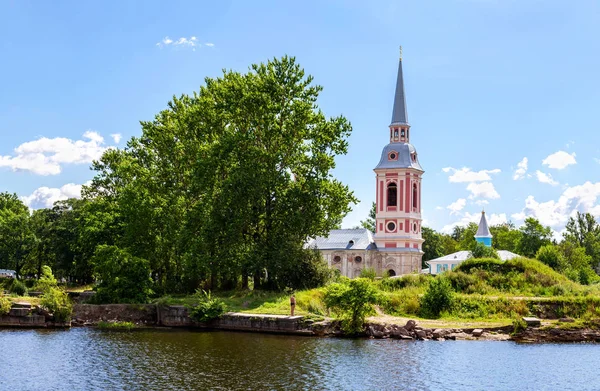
(414, 195)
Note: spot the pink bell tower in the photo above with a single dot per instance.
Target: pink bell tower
(398, 194)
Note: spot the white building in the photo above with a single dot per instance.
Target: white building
(449, 262)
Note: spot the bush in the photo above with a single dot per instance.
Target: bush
(208, 308)
(57, 302)
(5, 306)
(437, 298)
(123, 277)
(17, 287)
(519, 325)
(409, 280)
(354, 301)
(46, 280)
(369, 273)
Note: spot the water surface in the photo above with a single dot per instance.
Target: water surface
(87, 359)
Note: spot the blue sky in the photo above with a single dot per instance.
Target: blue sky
(488, 83)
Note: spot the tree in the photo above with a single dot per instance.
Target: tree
(369, 222)
(16, 237)
(584, 230)
(433, 246)
(466, 241)
(229, 182)
(551, 256)
(534, 236)
(505, 237)
(123, 278)
(354, 300)
(480, 250)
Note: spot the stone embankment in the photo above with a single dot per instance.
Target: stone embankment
(25, 316)
(412, 331)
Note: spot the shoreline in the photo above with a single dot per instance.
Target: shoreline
(174, 317)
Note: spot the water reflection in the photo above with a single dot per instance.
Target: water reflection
(84, 359)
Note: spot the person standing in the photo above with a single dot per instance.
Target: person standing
(292, 304)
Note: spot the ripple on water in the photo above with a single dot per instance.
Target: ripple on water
(85, 359)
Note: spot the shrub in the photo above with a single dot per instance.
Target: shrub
(208, 308)
(18, 288)
(437, 298)
(550, 255)
(368, 273)
(46, 280)
(57, 302)
(409, 280)
(519, 325)
(354, 301)
(123, 277)
(5, 305)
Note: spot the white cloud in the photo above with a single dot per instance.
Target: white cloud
(559, 160)
(46, 156)
(116, 137)
(183, 42)
(521, 169)
(465, 174)
(545, 178)
(581, 198)
(45, 197)
(483, 190)
(482, 202)
(457, 206)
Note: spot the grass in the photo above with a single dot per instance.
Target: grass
(127, 326)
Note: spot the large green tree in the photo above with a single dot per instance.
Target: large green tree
(584, 231)
(229, 182)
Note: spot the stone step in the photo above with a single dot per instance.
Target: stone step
(531, 321)
(21, 304)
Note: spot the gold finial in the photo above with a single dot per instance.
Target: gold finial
(401, 52)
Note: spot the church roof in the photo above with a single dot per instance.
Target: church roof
(399, 113)
(483, 230)
(344, 239)
(458, 256)
(405, 159)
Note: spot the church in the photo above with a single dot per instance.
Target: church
(395, 247)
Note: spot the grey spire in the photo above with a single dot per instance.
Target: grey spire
(483, 231)
(399, 114)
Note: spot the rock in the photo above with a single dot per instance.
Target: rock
(399, 332)
(410, 325)
(21, 304)
(18, 312)
(373, 332)
(477, 332)
(531, 321)
(455, 336)
(421, 334)
(439, 333)
(406, 337)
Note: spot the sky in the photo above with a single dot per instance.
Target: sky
(503, 96)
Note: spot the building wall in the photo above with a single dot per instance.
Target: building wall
(380, 260)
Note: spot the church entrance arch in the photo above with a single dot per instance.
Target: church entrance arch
(391, 273)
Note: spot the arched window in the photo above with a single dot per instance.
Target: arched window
(392, 194)
(336, 259)
(395, 132)
(415, 195)
(402, 133)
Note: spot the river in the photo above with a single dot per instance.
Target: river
(88, 359)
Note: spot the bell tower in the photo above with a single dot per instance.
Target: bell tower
(398, 194)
